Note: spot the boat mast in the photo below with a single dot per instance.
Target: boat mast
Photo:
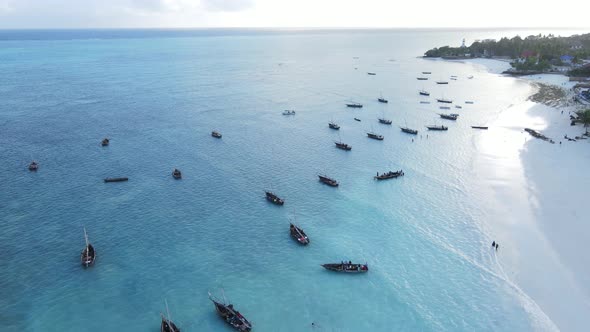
(167, 313)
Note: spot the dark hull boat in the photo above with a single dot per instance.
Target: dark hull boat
(389, 175)
(357, 119)
(329, 181)
(442, 100)
(176, 174)
(354, 105)
(298, 235)
(231, 316)
(375, 136)
(385, 121)
(382, 100)
(426, 73)
(424, 93)
(371, 73)
(343, 146)
(333, 125)
(409, 131)
(105, 142)
(115, 180)
(347, 267)
(274, 198)
(468, 102)
(422, 78)
(88, 255)
(479, 127)
(449, 116)
(216, 134)
(168, 326)
(439, 128)
(442, 82)
(33, 166)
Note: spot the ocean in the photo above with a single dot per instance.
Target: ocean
(158, 94)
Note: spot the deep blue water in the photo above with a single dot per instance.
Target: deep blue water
(157, 95)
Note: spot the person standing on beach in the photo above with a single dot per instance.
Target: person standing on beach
(497, 245)
(494, 244)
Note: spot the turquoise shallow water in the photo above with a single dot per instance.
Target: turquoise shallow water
(158, 97)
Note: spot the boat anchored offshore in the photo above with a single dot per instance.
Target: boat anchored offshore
(382, 100)
(480, 127)
(375, 136)
(271, 197)
(426, 73)
(449, 116)
(409, 131)
(216, 134)
(384, 121)
(298, 235)
(327, 180)
(333, 125)
(105, 142)
(424, 93)
(231, 316)
(176, 174)
(167, 325)
(107, 180)
(288, 112)
(347, 267)
(439, 128)
(33, 166)
(422, 78)
(88, 253)
(343, 146)
(371, 73)
(357, 119)
(389, 175)
(442, 82)
(444, 100)
(354, 105)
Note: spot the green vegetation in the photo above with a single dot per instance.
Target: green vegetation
(584, 117)
(533, 53)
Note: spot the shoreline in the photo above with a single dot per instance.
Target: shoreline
(535, 215)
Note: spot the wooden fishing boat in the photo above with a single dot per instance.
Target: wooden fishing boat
(354, 105)
(271, 197)
(105, 142)
(216, 134)
(176, 174)
(298, 235)
(33, 166)
(439, 128)
(333, 125)
(343, 146)
(384, 121)
(88, 255)
(375, 136)
(115, 180)
(389, 175)
(422, 78)
(424, 93)
(479, 127)
(231, 316)
(449, 116)
(409, 131)
(382, 100)
(346, 267)
(357, 119)
(327, 180)
(442, 82)
(443, 100)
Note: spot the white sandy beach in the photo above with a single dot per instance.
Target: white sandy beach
(537, 214)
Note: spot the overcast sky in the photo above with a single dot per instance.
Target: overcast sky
(291, 13)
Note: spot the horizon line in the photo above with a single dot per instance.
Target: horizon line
(300, 28)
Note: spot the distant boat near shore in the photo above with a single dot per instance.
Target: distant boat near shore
(115, 180)
(480, 127)
(426, 73)
(422, 78)
(288, 112)
(375, 136)
(409, 130)
(333, 125)
(371, 73)
(424, 93)
(449, 116)
(354, 105)
(437, 128)
(468, 102)
(442, 82)
(444, 100)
